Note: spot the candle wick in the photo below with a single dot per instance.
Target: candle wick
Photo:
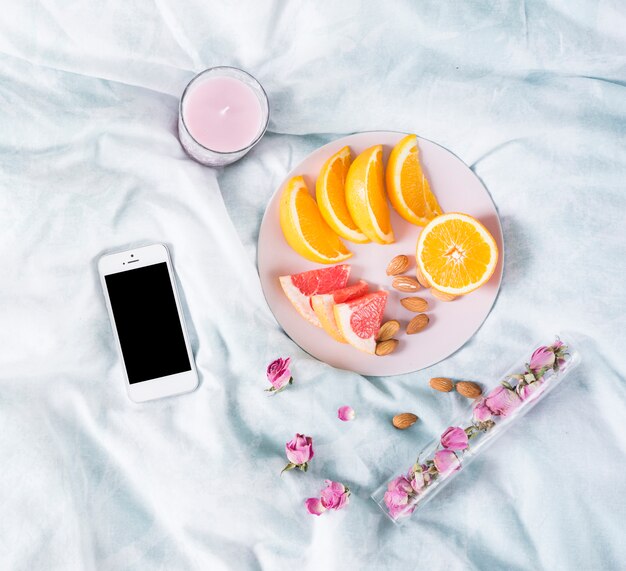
(223, 111)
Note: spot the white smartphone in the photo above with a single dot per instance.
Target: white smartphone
(148, 324)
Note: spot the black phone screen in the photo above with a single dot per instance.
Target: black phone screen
(148, 327)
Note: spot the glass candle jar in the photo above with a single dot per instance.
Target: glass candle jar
(223, 113)
(537, 373)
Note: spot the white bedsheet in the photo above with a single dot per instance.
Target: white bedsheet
(531, 95)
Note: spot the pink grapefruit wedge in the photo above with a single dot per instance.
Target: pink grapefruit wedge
(300, 287)
(359, 320)
(323, 304)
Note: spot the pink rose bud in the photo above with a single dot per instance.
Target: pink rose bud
(397, 497)
(481, 411)
(420, 479)
(454, 438)
(542, 358)
(559, 352)
(345, 413)
(334, 496)
(446, 462)
(314, 506)
(502, 401)
(299, 450)
(398, 504)
(531, 390)
(278, 374)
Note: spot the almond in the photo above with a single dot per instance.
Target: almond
(386, 347)
(442, 384)
(406, 284)
(414, 303)
(417, 324)
(420, 277)
(398, 265)
(442, 295)
(404, 420)
(469, 389)
(388, 330)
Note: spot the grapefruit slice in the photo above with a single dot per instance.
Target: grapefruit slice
(359, 320)
(324, 303)
(300, 287)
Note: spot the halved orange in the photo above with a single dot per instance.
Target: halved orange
(331, 196)
(366, 198)
(304, 228)
(407, 186)
(456, 253)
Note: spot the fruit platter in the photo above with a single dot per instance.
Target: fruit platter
(380, 253)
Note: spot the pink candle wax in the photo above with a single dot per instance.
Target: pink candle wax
(222, 114)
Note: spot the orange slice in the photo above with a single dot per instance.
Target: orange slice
(323, 304)
(456, 253)
(366, 198)
(407, 186)
(304, 228)
(359, 320)
(331, 197)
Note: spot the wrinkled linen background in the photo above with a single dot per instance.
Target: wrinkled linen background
(530, 94)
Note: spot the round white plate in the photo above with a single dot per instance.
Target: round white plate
(457, 189)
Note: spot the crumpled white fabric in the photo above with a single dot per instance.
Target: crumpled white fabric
(530, 94)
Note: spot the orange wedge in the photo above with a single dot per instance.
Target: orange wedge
(407, 186)
(331, 197)
(366, 198)
(304, 228)
(456, 253)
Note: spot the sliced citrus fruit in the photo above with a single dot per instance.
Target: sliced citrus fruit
(304, 228)
(456, 253)
(366, 198)
(331, 197)
(407, 186)
(359, 320)
(324, 303)
(300, 287)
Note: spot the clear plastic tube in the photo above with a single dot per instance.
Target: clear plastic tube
(528, 381)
